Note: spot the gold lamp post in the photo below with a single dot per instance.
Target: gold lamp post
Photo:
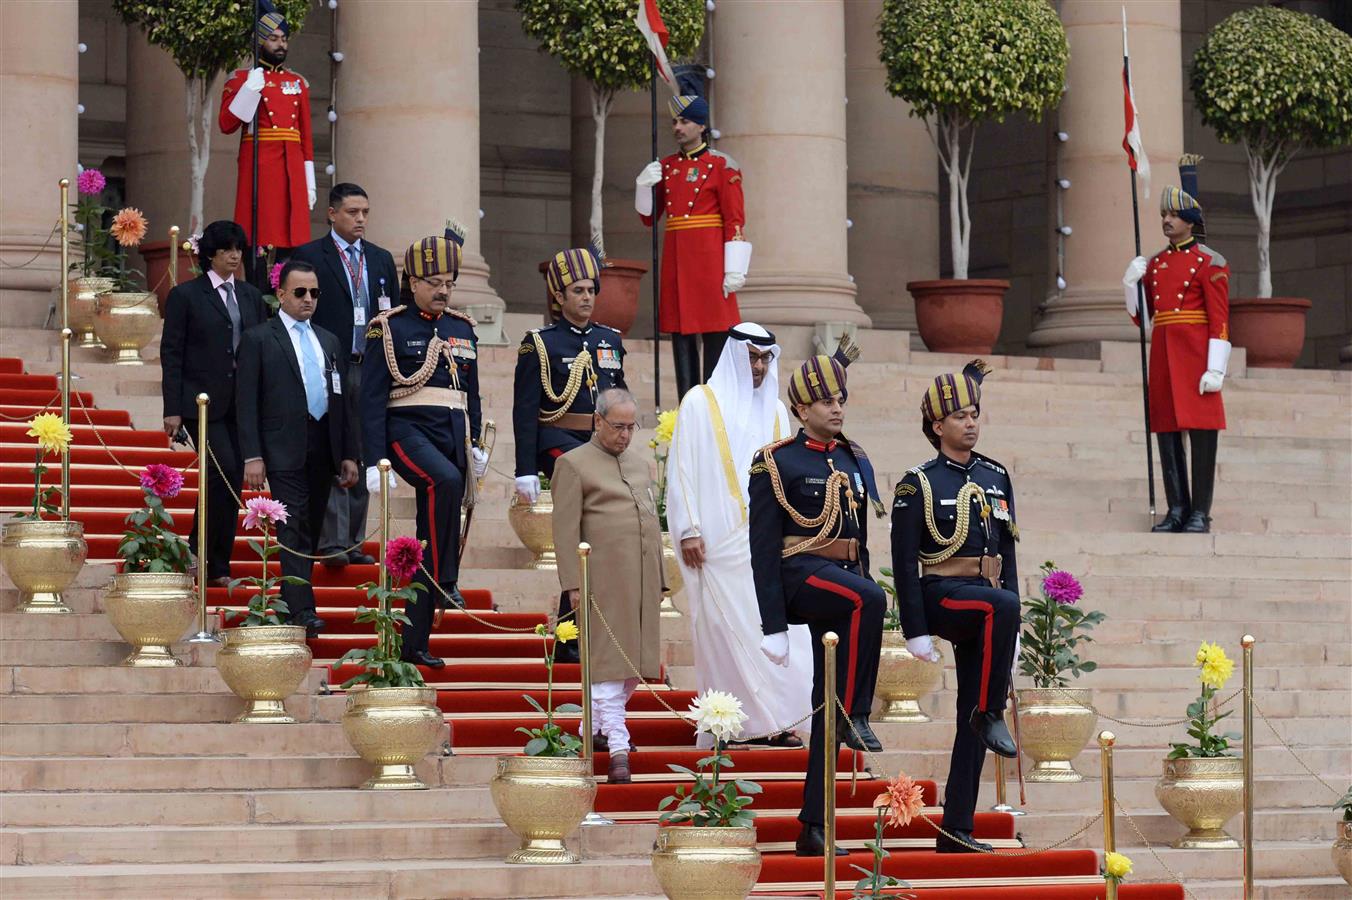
(829, 641)
(1106, 740)
(203, 636)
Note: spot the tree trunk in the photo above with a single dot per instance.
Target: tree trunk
(958, 231)
(601, 103)
(1263, 174)
(199, 146)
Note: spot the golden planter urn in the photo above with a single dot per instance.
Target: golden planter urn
(393, 728)
(543, 799)
(671, 571)
(708, 863)
(80, 297)
(903, 680)
(42, 558)
(151, 610)
(1342, 850)
(1203, 793)
(263, 665)
(534, 527)
(126, 322)
(1055, 724)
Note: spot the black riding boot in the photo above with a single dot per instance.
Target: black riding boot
(1174, 467)
(685, 349)
(713, 349)
(1203, 480)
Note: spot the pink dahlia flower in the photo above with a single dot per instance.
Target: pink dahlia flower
(90, 182)
(162, 481)
(262, 512)
(1062, 587)
(275, 275)
(403, 555)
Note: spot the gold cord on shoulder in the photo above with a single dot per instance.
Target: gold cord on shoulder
(953, 543)
(829, 521)
(580, 368)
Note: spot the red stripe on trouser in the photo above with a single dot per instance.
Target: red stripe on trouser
(842, 591)
(950, 603)
(556, 452)
(431, 510)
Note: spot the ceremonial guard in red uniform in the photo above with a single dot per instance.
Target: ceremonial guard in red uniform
(704, 254)
(286, 165)
(1187, 294)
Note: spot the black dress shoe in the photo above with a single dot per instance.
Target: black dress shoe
(865, 739)
(965, 843)
(423, 658)
(333, 559)
(990, 727)
(1172, 522)
(452, 599)
(1198, 523)
(566, 652)
(812, 842)
(311, 623)
(357, 558)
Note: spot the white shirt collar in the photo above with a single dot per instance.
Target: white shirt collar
(342, 244)
(289, 322)
(217, 280)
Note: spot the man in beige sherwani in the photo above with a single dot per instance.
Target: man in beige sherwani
(603, 495)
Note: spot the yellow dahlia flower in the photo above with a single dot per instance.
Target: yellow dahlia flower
(565, 632)
(1116, 865)
(1217, 668)
(52, 433)
(666, 426)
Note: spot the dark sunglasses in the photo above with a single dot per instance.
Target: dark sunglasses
(300, 292)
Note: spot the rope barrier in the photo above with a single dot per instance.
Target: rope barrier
(1290, 750)
(133, 473)
(1170, 723)
(36, 410)
(1142, 838)
(41, 250)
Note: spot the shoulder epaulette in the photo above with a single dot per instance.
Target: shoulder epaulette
(1216, 258)
(727, 160)
(461, 314)
(608, 328)
(773, 446)
(375, 328)
(924, 465)
(990, 463)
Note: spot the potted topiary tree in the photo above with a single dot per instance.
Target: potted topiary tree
(1276, 81)
(958, 63)
(598, 40)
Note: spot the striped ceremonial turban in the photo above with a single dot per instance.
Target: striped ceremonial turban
(690, 106)
(270, 20)
(433, 256)
(820, 378)
(1176, 200)
(950, 393)
(568, 266)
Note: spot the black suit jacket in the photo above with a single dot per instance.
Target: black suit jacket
(196, 346)
(270, 401)
(334, 311)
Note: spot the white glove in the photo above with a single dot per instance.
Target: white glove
(310, 182)
(732, 282)
(776, 648)
(922, 648)
(1018, 651)
(651, 175)
(245, 103)
(643, 188)
(528, 486)
(1211, 382)
(1217, 364)
(1135, 272)
(373, 480)
(478, 461)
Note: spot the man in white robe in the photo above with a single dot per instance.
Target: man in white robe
(719, 428)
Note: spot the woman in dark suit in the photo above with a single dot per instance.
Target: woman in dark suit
(203, 322)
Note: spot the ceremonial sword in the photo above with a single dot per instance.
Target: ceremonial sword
(488, 439)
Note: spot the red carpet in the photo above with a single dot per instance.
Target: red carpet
(480, 689)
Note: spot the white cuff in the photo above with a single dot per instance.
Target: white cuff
(1133, 299)
(643, 200)
(736, 257)
(1217, 355)
(245, 103)
(690, 532)
(310, 174)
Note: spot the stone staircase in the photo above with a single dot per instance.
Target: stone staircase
(133, 783)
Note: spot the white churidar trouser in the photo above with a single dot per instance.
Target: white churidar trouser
(609, 699)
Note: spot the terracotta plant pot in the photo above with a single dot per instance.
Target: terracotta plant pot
(617, 304)
(1271, 329)
(156, 256)
(959, 316)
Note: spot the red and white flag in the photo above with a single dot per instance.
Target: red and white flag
(654, 30)
(1131, 142)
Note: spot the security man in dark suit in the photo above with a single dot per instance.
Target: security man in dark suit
(204, 321)
(421, 409)
(356, 281)
(810, 497)
(560, 369)
(291, 371)
(953, 534)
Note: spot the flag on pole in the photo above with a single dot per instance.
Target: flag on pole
(654, 30)
(1131, 142)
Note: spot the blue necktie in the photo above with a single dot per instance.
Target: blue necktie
(361, 298)
(316, 398)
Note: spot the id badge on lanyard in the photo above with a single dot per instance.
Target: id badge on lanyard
(354, 276)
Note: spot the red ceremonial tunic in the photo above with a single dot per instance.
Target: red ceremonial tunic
(284, 131)
(701, 194)
(1187, 290)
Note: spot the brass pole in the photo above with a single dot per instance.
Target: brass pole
(1106, 740)
(383, 467)
(66, 335)
(173, 255)
(582, 617)
(203, 636)
(65, 253)
(829, 641)
(1247, 643)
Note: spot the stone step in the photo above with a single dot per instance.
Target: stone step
(1159, 828)
(153, 739)
(78, 679)
(1272, 859)
(1298, 888)
(163, 708)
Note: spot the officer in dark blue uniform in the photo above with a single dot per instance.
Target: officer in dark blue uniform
(809, 553)
(560, 369)
(953, 534)
(420, 407)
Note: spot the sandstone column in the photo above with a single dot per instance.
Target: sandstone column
(781, 109)
(1098, 204)
(893, 181)
(409, 130)
(39, 90)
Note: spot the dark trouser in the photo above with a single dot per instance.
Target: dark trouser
(982, 623)
(222, 510)
(686, 350)
(1174, 469)
(305, 493)
(843, 601)
(426, 462)
(345, 516)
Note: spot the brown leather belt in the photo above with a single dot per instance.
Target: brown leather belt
(987, 567)
(841, 549)
(571, 422)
